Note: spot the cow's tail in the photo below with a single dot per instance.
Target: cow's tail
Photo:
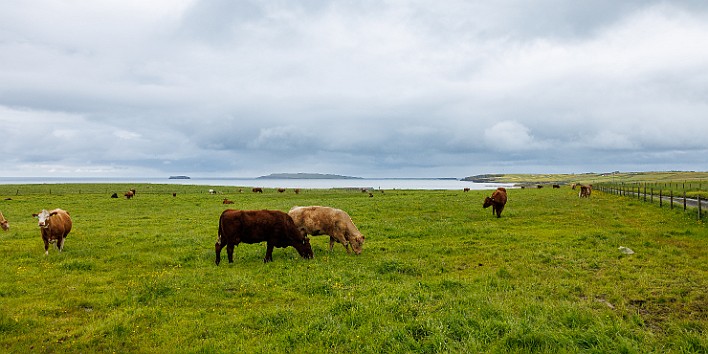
(221, 232)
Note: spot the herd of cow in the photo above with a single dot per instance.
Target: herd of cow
(276, 228)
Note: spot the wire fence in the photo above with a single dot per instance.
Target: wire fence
(672, 195)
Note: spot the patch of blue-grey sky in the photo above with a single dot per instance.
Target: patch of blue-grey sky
(371, 88)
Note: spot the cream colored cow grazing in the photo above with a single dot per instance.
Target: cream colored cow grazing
(3, 223)
(319, 220)
(55, 225)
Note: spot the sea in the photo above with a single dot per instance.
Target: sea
(358, 183)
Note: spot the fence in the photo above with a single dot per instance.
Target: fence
(647, 193)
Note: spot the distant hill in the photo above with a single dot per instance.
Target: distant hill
(305, 176)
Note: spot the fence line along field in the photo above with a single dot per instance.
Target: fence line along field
(438, 273)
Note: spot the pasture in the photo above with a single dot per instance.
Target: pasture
(438, 274)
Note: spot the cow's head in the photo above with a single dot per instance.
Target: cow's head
(357, 243)
(43, 218)
(303, 248)
(488, 202)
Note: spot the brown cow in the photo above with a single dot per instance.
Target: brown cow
(129, 194)
(297, 190)
(466, 189)
(226, 201)
(257, 190)
(281, 190)
(4, 223)
(497, 201)
(274, 227)
(55, 226)
(318, 220)
(585, 191)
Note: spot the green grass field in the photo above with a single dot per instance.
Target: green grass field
(438, 274)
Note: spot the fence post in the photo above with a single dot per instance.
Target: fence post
(672, 199)
(661, 199)
(684, 200)
(700, 213)
(645, 192)
(651, 195)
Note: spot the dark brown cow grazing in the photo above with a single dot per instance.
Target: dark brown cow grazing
(466, 189)
(297, 190)
(3, 223)
(556, 186)
(55, 226)
(257, 190)
(114, 195)
(129, 194)
(497, 201)
(226, 201)
(281, 190)
(254, 226)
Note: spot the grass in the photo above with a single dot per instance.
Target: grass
(438, 274)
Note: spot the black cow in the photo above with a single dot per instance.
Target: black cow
(254, 226)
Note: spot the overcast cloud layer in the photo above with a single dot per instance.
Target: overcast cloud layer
(365, 88)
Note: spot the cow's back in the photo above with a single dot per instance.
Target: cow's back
(253, 226)
(499, 196)
(60, 223)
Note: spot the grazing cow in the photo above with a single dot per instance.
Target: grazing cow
(318, 220)
(539, 186)
(3, 223)
(226, 201)
(467, 189)
(281, 190)
(585, 191)
(129, 194)
(114, 195)
(257, 190)
(556, 186)
(211, 191)
(55, 226)
(572, 186)
(174, 194)
(497, 201)
(297, 190)
(274, 227)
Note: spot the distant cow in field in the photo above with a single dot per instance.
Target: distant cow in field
(129, 194)
(572, 186)
(211, 191)
(274, 227)
(55, 225)
(497, 201)
(257, 190)
(4, 223)
(226, 201)
(556, 186)
(114, 195)
(539, 186)
(281, 190)
(318, 220)
(585, 191)
(467, 189)
(297, 190)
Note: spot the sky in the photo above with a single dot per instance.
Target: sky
(392, 88)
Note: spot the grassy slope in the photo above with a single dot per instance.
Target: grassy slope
(627, 177)
(438, 273)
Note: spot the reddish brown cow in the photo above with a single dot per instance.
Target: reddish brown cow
(226, 201)
(257, 190)
(585, 191)
(3, 223)
(129, 194)
(497, 201)
(318, 220)
(274, 227)
(467, 189)
(55, 226)
(281, 190)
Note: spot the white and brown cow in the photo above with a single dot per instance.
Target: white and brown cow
(3, 223)
(319, 220)
(55, 225)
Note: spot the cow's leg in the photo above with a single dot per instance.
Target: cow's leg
(60, 243)
(46, 246)
(230, 252)
(217, 248)
(331, 243)
(269, 254)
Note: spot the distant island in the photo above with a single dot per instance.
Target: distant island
(180, 177)
(305, 176)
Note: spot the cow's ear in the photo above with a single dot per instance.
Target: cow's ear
(35, 215)
(53, 213)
